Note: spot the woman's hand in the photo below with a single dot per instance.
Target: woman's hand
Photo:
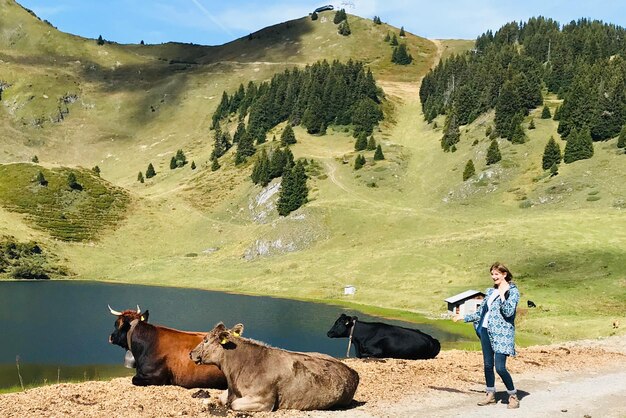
(503, 288)
(457, 318)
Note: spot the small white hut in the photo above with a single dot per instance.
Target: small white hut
(349, 289)
(464, 303)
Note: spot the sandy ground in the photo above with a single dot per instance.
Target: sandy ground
(576, 379)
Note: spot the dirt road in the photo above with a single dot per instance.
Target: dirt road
(576, 379)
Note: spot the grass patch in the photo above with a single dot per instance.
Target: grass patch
(66, 213)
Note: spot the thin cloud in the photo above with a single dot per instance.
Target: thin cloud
(211, 17)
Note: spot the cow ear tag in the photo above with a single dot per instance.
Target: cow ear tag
(224, 341)
(143, 318)
(237, 330)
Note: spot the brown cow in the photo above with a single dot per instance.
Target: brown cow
(263, 378)
(161, 355)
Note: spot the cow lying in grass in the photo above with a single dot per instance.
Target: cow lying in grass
(161, 355)
(263, 378)
(375, 339)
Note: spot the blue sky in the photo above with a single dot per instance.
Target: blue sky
(214, 22)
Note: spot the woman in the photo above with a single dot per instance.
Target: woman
(494, 322)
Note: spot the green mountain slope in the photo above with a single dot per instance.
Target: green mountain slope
(406, 231)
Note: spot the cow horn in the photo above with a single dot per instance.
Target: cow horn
(138, 309)
(114, 312)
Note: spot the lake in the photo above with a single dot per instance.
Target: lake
(60, 329)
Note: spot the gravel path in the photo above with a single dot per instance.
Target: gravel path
(577, 379)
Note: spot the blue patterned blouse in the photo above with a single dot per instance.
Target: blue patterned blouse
(501, 320)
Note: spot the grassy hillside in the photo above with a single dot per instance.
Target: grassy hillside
(406, 231)
(78, 213)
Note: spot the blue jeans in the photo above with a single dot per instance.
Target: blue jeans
(500, 363)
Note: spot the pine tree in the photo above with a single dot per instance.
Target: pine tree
(402, 34)
(386, 38)
(289, 161)
(572, 148)
(173, 163)
(235, 101)
(365, 116)
(96, 170)
(451, 132)
(100, 40)
(508, 106)
(35, 159)
(313, 116)
(344, 28)
(488, 131)
(261, 170)
(371, 144)
(551, 154)
(394, 40)
(493, 153)
(72, 182)
(621, 140)
(140, 177)
(545, 113)
(359, 162)
(378, 155)
(215, 165)
(288, 137)
(554, 170)
(41, 179)
(180, 158)
(469, 171)
(300, 188)
(516, 133)
(531, 125)
(587, 142)
(377, 20)
(150, 171)
(278, 161)
(361, 142)
(241, 131)
(256, 170)
(222, 143)
(340, 16)
(245, 149)
(579, 146)
(400, 55)
(518, 136)
(313, 16)
(193, 165)
(293, 190)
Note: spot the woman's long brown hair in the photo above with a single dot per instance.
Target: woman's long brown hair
(502, 269)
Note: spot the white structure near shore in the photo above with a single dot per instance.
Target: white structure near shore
(464, 303)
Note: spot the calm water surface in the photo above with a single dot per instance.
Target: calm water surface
(60, 329)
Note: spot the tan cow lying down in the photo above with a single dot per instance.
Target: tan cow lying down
(263, 378)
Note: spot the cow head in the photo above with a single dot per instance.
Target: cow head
(122, 324)
(211, 349)
(342, 326)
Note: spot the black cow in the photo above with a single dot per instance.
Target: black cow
(531, 304)
(375, 339)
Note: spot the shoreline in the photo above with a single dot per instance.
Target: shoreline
(523, 338)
